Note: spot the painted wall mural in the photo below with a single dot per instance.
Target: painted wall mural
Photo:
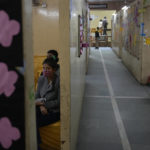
(146, 4)
(132, 32)
(130, 29)
(12, 124)
(134, 46)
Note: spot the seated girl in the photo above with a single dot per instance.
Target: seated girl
(48, 95)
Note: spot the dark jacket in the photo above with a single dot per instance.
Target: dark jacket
(96, 34)
(49, 92)
(105, 23)
(58, 70)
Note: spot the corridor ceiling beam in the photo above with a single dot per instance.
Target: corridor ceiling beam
(104, 1)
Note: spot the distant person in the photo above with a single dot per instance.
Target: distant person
(101, 26)
(97, 38)
(105, 23)
(53, 53)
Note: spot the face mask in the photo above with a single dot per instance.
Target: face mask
(46, 73)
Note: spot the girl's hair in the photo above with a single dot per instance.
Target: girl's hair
(51, 62)
(54, 53)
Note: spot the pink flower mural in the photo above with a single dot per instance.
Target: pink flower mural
(8, 133)
(7, 80)
(8, 28)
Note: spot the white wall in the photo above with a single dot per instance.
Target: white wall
(78, 69)
(45, 27)
(64, 45)
(30, 123)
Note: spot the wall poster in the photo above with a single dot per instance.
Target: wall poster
(80, 35)
(132, 24)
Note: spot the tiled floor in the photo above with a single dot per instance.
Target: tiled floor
(99, 129)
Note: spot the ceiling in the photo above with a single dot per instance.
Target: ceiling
(97, 1)
(103, 0)
(110, 4)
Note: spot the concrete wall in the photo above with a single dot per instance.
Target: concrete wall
(46, 27)
(29, 84)
(78, 68)
(64, 44)
(133, 47)
(117, 33)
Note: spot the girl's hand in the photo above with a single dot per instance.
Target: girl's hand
(43, 110)
(39, 103)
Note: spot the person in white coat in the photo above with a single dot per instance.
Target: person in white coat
(100, 26)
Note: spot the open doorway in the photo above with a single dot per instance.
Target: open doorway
(97, 19)
(45, 22)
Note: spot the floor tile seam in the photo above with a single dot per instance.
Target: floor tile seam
(117, 97)
(122, 132)
(100, 143)
(94, 142)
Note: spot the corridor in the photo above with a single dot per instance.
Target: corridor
(116, 108)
